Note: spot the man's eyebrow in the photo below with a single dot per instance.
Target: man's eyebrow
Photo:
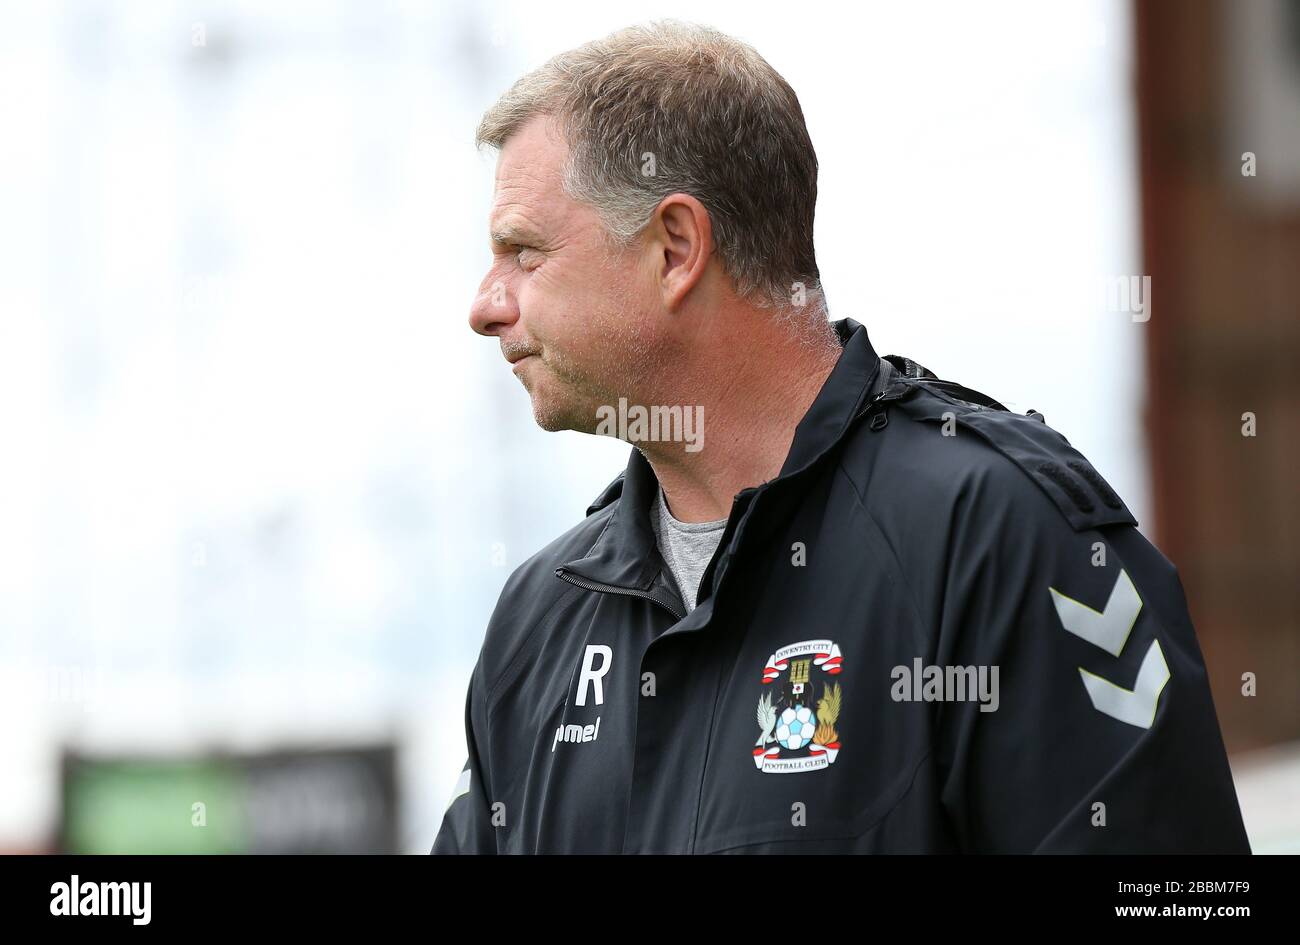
(512, 235)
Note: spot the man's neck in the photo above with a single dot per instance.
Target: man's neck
(753, 399)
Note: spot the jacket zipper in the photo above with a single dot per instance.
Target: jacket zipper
(614, 589)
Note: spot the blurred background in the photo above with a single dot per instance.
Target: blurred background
(261, 484)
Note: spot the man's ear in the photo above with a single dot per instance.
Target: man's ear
(682, 241)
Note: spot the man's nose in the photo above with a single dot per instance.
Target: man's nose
(494, 309)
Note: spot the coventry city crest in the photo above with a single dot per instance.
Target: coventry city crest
(796, 716)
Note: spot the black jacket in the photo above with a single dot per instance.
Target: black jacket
(936, 630)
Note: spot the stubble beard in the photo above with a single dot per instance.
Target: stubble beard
(625, 361)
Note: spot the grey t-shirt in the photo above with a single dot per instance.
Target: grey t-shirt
(687, 547)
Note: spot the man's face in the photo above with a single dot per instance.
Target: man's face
(576, 317)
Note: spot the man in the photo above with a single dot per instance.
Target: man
(870, 611)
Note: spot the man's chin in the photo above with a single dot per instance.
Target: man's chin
(556, 406)
(554, 417)
(550, 422)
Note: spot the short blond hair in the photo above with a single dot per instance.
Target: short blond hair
(673, 107)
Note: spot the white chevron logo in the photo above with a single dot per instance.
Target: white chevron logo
(1138, 705)
(1109, 630)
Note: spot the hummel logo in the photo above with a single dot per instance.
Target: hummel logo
(576, 733)
(1109, 629)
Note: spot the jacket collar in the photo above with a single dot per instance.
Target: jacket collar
(838, 402)
(625, 553)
